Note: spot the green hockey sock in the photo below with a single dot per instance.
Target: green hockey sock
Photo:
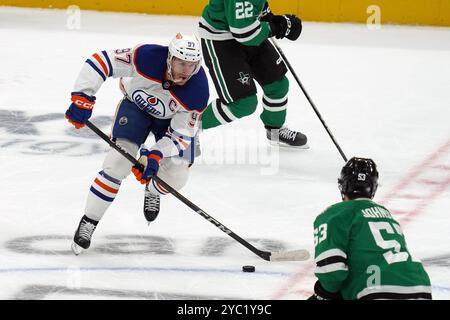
(218, 113)
(274, 103)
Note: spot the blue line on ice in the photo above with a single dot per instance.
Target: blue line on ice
(133, 269)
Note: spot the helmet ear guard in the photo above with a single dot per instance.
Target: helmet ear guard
(358, 179)
(186, 48)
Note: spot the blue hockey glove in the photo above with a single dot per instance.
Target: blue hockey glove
(150, 160)
(80, 110)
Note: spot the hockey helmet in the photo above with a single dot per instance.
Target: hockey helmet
(186, 48)
(359, 178)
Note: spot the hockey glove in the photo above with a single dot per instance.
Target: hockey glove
(80, 110)
(266, 14)
(321, 294)
(150, 160)
(287, 25)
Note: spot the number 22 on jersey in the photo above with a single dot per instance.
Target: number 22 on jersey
(244, 10)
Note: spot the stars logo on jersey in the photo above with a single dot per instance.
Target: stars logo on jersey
(244, 78)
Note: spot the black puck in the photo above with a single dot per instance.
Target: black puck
(248, 268)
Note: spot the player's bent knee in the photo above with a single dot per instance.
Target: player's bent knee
(244, 106)
(115, 164)
(174, 171)
(277, 89)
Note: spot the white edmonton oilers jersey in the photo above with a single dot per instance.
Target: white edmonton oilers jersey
(143, 73)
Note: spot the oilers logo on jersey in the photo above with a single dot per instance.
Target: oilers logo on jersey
(149, 103)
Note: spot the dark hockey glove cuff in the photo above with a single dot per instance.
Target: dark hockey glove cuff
(321, 294)
(266, 13)
(286, 26)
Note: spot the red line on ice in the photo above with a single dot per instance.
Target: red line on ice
(306, 271)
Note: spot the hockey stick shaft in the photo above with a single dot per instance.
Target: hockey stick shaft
(309, 98)
(266, 255)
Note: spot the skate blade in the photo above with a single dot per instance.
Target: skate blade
(76, 249)
(285, 145)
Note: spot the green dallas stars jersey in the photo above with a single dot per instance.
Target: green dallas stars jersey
(234, 19)
(361, 252)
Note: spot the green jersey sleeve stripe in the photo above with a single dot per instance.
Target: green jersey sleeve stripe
(248, 37)
(339, 266)
(205, 24)
(398, 296)
(398, 290)
(247, 29)
(331, 253)
(331, 260)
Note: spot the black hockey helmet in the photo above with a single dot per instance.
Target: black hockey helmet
(359, 178)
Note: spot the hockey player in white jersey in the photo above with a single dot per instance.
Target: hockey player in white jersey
(165, 92)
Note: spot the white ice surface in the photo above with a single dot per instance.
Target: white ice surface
(383, 93)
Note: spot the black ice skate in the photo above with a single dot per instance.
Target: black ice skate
(83, 235)
(286, 137)
(151, 206)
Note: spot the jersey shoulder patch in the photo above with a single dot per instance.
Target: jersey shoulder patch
(194, 94)
(150, 61)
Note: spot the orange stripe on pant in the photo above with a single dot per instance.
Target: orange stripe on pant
(106, 187)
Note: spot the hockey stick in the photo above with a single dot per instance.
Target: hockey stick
(309, 98)
(295, 255)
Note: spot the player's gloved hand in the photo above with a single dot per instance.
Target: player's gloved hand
(266, 13)
(80, 110)
(285, 26)
(321, 294)
(150, 160)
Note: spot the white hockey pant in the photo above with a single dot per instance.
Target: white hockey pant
(174, 171)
